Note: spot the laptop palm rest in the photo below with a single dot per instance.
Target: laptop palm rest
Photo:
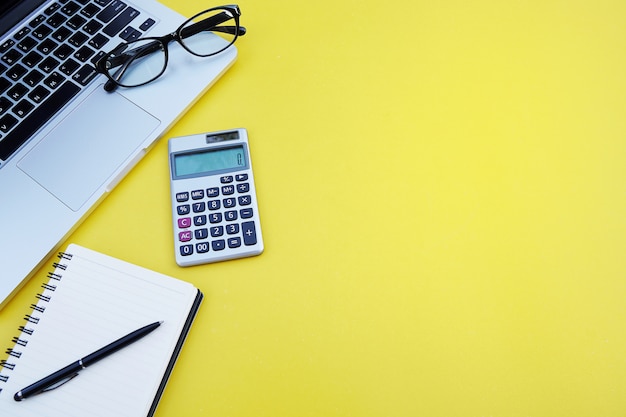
(73, 163)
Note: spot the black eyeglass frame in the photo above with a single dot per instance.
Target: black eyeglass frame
(161, 43)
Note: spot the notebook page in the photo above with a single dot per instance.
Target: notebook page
(98, 300)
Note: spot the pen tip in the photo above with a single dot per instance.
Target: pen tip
(161, 322)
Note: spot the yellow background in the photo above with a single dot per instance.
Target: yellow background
(442, 194)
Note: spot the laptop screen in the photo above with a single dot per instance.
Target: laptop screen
(13, 11)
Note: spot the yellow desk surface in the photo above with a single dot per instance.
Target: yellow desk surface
(442, 188)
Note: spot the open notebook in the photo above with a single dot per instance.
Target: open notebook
(90, 300)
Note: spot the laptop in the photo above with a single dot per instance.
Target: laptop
(54, 171)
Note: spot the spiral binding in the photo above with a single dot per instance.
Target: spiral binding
(32, 319)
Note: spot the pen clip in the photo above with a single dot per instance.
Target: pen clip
(61, 382)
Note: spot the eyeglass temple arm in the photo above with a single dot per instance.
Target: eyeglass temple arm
(230, 30)
(130, 55)
(211, 24)
(124, 60)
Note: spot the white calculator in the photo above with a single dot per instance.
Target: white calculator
(214, 205)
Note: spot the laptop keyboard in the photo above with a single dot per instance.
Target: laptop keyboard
(51, 59)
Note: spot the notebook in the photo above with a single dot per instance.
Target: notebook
(90, 300)
(53, 171)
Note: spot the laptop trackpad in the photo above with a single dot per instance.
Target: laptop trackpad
(81, 153)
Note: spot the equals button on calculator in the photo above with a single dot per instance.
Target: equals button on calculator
(214, 205)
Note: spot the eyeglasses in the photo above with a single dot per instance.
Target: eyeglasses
(142, 61)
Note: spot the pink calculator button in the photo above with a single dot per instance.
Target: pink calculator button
(184, 236)
(184, 223)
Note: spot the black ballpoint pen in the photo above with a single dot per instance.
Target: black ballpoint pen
(71, 370)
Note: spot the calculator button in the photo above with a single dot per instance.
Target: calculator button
(212, 192)
(228, 189)
(229, 202)
(234, 242)
(232, 229)
(215, 218)
(241, 177)
(184, 222)
(246, 213)
(217, 231)
(201, 233)
(199, 207)
(249, 233)
(182, 210)
(197, 194)
(182, 197)
(245, 200)
(186, 250)
(226, 179)
(214, 205)
(184, 236)
(202, 247)
(199, 220)
(218, 244)
(230, 215)
(243, 188)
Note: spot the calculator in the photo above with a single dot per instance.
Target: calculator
(214, 205)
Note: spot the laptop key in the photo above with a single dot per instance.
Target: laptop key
(39, 94)
(4, 84)
(16, 72)
(17, 91)
(21, 33)
(84, 53)
(5, 104)
(6, 46)
(54, 80)
(76, 21)
(53, 8)
(93, 27)
(37, 21)
(47, 46)
(120, 22)
(90, 10)
(27, 44)
(62, 34)
(78, 38)
(23, 108)
(147, 24)
(85, 75)
(112, 10)
(42, 32)
(6, 123)
(49, 64)
(69, 66)
(64, 51)
(33, 78)
(35, 120)
(70, 8)
(98, 41)
(32, 59)
(56, 20)
(130, 34)
(12, 57)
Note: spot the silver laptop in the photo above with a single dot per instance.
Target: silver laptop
(54, 171)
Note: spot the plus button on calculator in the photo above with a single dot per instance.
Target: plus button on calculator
(214, 205)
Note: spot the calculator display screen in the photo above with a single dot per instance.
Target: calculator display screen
(210, 161)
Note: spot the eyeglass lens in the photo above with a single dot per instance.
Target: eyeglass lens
(209, 33)
(139, 62)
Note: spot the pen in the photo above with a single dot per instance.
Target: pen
(63, 375)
